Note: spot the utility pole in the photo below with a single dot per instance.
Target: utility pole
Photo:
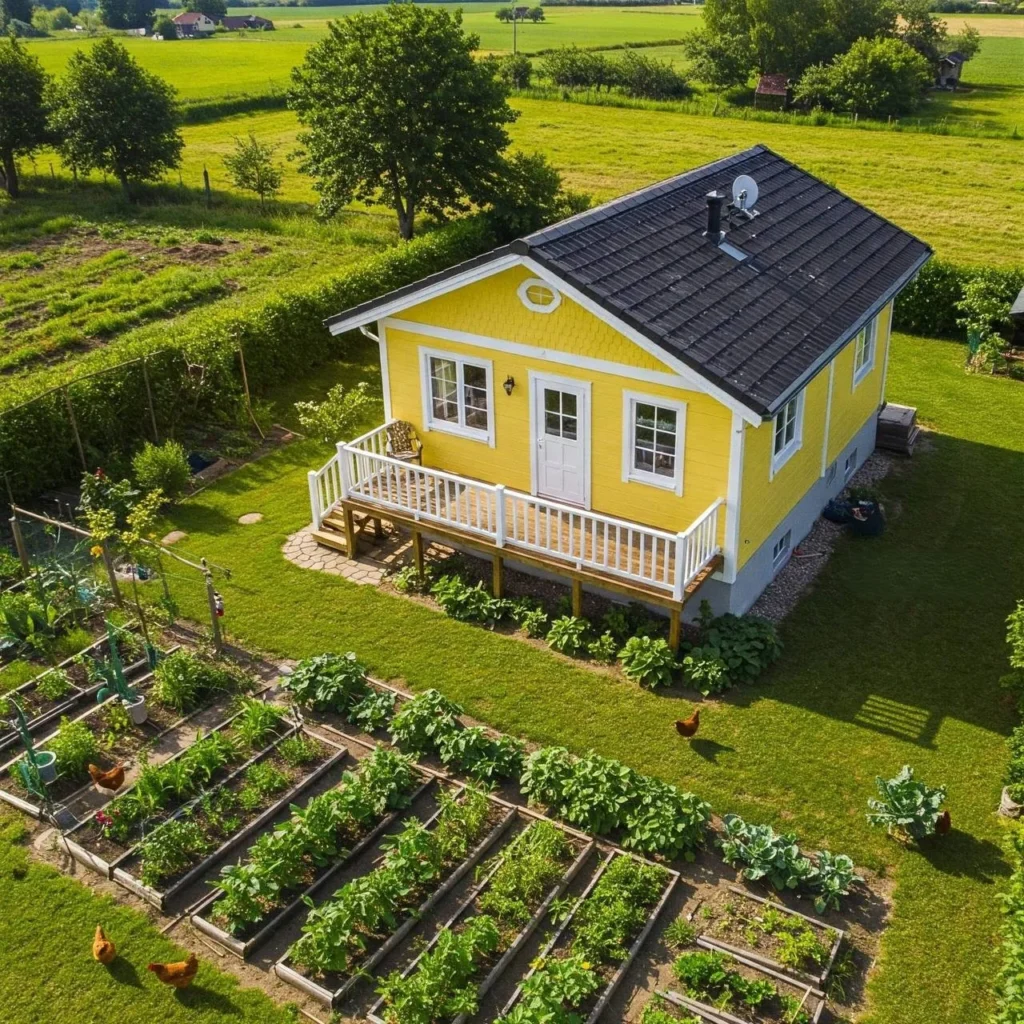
(515, 20)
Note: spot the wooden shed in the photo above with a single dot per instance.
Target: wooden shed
(772, 92)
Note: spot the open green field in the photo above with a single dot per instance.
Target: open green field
(892, 659)
(935, 186)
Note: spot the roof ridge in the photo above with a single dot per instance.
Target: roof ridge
(523, 245)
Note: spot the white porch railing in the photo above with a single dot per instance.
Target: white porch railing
(362, 470)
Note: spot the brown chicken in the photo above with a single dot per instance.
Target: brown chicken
(112, 779)
(102, 948)
(688, 726)
(943, 823)
(178, 975)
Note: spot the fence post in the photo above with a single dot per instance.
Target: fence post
(314, 499)
(112, 576)
(499, 515)
(681, 546)
(74, 429)
(343, 470)
(211, 600)
(19, 543)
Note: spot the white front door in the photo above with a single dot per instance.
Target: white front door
(561, 432)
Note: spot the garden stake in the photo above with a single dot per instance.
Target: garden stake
(19, 543)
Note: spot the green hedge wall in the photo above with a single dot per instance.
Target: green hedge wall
(194, 373)
(928, 305)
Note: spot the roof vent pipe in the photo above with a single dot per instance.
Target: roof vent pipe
(714, 231)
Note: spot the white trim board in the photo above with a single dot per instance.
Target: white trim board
(828, 418)
(385, 373)
(733, 500)
(547, 355)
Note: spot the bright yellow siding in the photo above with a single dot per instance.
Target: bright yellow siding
(492, 308)
(851, 407)
(766, 501)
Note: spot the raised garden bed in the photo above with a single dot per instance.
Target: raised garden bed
(510, 901)
(634, 902)
(43, 708)
(185, 839)
(333, 841)
(729, 988)
(736, 921)
(426, 878)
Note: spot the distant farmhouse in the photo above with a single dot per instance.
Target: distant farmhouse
(192, 24)
(249, 22)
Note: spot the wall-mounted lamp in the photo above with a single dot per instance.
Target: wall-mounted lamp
(510, 383)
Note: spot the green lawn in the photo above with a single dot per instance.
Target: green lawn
(893, 659)
(48, 974)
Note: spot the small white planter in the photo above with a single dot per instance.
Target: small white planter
(1007, 807)
(46, 762)
(138, 710)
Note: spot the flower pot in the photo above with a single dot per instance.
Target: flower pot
(46, 762)
(1008, 808)
(137, 709)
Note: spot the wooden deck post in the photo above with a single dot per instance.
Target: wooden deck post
(351, 543)
(498, 577)
(675, 628)
(577, 598)
(417, 551)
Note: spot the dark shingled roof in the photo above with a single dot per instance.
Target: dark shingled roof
(773, 85)
(818, 267)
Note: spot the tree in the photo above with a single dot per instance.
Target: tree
(213, 9)
(920, 30)
(515, 70)
(397, 110)
(111, 115)
(124, 14)
(252, 168)
(642, 76)
(535, 14)
(15, 10)
(505, 14)
(787, 35)
(573, 68)
(23, 85)
(720, 61)
(164, 27)
(967, 41)
(875, 77)
(528, 195)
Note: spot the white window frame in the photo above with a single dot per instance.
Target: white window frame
(782, 549)
(866, 340)
(850, 465)
(444, 426)
(536, 307)
(779, 459)
(630, 474)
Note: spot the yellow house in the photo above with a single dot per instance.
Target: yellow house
(655, 396)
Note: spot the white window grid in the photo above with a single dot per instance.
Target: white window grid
(787, 432)
(781, 550)
(458, 395)
(653, 435)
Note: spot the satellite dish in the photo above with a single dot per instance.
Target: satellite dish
(744, 193)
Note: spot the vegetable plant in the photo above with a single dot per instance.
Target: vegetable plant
(661, 819)
(298, 750)
(648, 661)
(559, 984)
(761, 852)
(74, 747)
(709, 977)
(328, 682)
(257, 721)
(906, 806)
(835, 875)
(568, 635)
(171, 849)
(183, 680)
(54, 684)
(262, 780)
(373, 711)
(481, 757)
(423, 721)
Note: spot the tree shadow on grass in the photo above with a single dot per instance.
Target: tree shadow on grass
(965, 856)
(198, 997)
(124, 973)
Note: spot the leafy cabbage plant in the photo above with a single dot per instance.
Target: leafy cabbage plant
(907, 805)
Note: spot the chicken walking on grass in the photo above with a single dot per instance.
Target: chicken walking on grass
(103, 949)
(688, 726)
(177, 975)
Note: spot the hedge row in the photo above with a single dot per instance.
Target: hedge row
(194, 372)
(928, 305)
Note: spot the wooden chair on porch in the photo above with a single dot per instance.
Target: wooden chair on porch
(403, 444)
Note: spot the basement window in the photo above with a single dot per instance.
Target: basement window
(781, 550)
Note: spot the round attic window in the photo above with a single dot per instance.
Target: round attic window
(539, 296)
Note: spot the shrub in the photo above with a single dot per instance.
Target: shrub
(328, 682)
(515, 70)
(573, 68)
(746, 644)
(338, 416)
(648, 661)
(75, 747)
(409, 580)
(646, 78)
(604, 648)
(535, 623)
(464, 603)
(568, 635)
(164, 26)
(1015, 636)
(706, 671)
(164, 467)
(625, 621)
(907, 805)
(425, 721)
(1008, 981)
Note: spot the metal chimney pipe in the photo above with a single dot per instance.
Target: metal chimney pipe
(714, 231)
